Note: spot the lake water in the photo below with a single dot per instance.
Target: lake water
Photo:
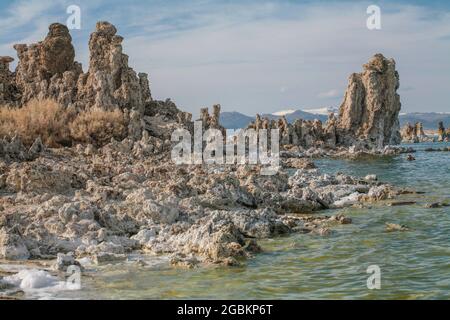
(414, 264)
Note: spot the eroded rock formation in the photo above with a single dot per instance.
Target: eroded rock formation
(129, 197)
(110, 82)
(371, 105)
(443, 135)
(413, 134)
(368, 117)
(305, 133)
(8, 90)
(48, 70)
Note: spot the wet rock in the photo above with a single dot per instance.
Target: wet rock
(392, 227)
(322, 231)
(371, 177)
(253, 247)
(181, 260)
(340, 218)
(299, 163)
(105, 257)
(442, 134)
(12, 246)
(436, 205)
(63, 261)
(414, 133)
(401, 203)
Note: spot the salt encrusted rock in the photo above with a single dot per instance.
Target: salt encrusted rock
(63, 261)
(371, 105)
(212, 121)
(128, 196)
(391, 227)
(110, 82)
(305, 133)
(414, 134)
(368, 116)
(14, 150)
(47, 69)
(299, 163)
(12, 247)
(442, 133)
(8, 90)
(109, 204)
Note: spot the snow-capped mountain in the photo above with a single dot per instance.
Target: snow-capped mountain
(323, 111)
(237, 120)
(283, 112)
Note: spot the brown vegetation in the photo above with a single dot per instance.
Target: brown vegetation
(58, 126)
(98, 126)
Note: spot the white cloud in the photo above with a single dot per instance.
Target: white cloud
(246, 55)
(333, 93)
(24, 13)
(240, 64)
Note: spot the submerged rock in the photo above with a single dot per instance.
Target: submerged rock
(391, 227)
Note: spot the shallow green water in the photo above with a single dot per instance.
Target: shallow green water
(414, 264)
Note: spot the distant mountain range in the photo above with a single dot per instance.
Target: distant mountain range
(429, 120)
(237, 120)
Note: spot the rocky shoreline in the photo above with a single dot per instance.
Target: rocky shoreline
(104, 201)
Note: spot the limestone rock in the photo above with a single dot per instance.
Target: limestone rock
(391, 227)
(413, 134)
(8, 90)
(14, 150)
(442, 134)
(110, 82)
(371, 105)
(47, 69)
(12, 246)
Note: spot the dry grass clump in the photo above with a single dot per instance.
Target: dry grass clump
(98, 126)
(38, 118)
(58, 126)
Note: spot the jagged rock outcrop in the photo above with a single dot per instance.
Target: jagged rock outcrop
(8, 90)
(413, 134)
(47, 69)
(443, 135)
(368, 117)
(408, 133)
(212, 121)
(371, 105)
(14, 150)
(305, 133)
(110, 82)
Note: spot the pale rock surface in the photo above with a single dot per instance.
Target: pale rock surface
(371, 105)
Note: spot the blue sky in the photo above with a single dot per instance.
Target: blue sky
(260, 55)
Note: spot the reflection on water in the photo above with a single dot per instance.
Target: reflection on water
(414, 264)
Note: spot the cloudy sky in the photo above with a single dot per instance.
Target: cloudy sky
(258, 56)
